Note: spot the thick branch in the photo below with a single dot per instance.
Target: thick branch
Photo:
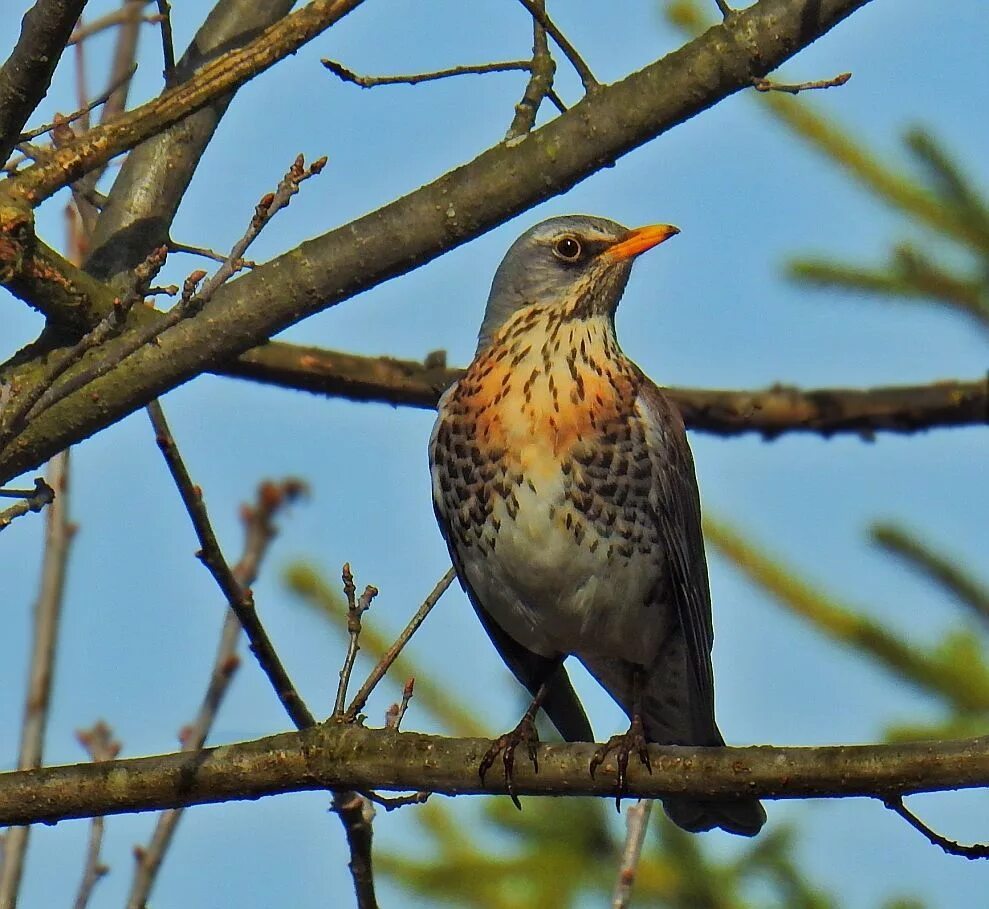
(773, 411)
(453, 209)
(353, 757)
(25, 77)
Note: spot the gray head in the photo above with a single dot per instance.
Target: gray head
(578, 262)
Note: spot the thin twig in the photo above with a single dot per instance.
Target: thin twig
(794, 88)
(206, 252)
(391, 802)
(355, 609)
(259, 531)
(974, 851)
(101, 746)
(167, 44)
(31, 500)
(724, 8)
(102, 23)
(536, 10)
(542, 68)
(415, 78)
(47, 613)
(356, 814)
(239, 598)
(396, 713)
(636, 824)
(82, 112)
(360, 699)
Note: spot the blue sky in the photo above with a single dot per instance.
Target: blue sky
(710, 308)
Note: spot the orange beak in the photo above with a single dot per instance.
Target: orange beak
(639, 240)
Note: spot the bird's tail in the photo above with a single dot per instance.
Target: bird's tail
(671, 717)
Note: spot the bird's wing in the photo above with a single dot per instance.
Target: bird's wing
(675, 503)
(561, 703)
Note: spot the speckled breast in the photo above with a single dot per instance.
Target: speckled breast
(542, 476)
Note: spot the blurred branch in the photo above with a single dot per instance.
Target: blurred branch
(940, 568)
(41, 671)
(27, 74)
(964, 685)
(259, 531)
(910, 275)
(241, 601)
(353, 757)
(776, 410)
(636, 822)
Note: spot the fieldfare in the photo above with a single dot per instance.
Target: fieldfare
(565, 489)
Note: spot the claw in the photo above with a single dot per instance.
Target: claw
(623, 745)
(505, 745)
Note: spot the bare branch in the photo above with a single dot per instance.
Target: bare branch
(975, 851)
(167, 45)
(389, 657)
(47, 615)
(101, 746)
(119, 16)
(215, 79)
(537, 10)
(27, 74)
(239, 598)
(31, 500)
(238, 264)
(794, 88)
(121, 80)
(354, 757)
(420, 226)
(259, 531)
(771, 412)
(355, 609)
(636, 824)
(415, 78)
(542, 69)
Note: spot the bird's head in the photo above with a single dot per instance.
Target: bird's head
(578, 263)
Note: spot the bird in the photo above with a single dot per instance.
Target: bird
(564, 486)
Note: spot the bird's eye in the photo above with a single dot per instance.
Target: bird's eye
(568, 249)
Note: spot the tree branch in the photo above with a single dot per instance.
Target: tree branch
(354, 757)
(217, 77)
(27, 74)
(772, 412)
(453, 209)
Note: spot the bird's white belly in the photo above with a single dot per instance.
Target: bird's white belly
(556, 594)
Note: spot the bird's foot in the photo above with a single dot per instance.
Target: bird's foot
(623, 745)
(505, 745)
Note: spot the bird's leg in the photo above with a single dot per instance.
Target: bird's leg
(625, 743)
(506, 744)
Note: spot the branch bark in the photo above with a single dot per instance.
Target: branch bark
(462, 204)
(27, 74)
(771, 412)
(354, 757)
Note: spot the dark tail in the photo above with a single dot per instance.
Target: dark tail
(671, 717)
